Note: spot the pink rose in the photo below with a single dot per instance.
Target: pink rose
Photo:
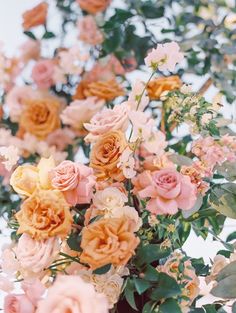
(75, 180)
(42, 73)
(89, 31)
(34, 256)
(168, 190)
(61, 138)
(107, 120)
(18, 304)
(33, 289)
(72, 294)
(5, 284)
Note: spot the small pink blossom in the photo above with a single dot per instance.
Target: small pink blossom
(9, 156)
(33, 289)
(5, 284)
(142, 125)
(18, 304)
(127, 163)
(88, 31)
(164, 57)
(156, 143)
(168, 190)
(75, 180)
(9, 263)
(107, 120)
(138, 99)
(42, 73)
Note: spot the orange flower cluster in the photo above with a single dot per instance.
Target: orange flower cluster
(94, 6)
(36, 16)
(157, 86)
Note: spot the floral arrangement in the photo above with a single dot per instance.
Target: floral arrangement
(98, 188)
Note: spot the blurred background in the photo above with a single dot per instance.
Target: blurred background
(11, 37)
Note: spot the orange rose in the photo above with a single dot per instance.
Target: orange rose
(108, 241)
(157, 86)
(93, 6)
(36, 16)
(105, 156)
(45, 214)
(106, 90)
(40, 117)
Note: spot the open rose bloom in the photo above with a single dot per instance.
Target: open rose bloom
(98, 186)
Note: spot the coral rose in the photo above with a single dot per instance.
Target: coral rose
(72, 294)
(45, 214)
(93, 6)
(107, 120)
(40, 117)
(18, 304)
(106, 90)
(105, 156)
(157, 86)
(36, 16)
(24, 179)
(35, 256)
(168, 190)
(42, 73)
(74, 180)
(108, 241)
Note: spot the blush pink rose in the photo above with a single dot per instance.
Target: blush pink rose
(33, 289)
(30, 50)
(75, 180)
(42, 73)
(34, 256)
(61, 138)
(72, 294)
(18, 304)
(88, 31)
(168, 190)
(107, 120)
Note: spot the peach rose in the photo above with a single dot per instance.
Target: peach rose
(40, 117)
(88, 31)
(106, 90)
(168, 190)
(157, 86)
(72, 294)
(18, 304)
(74, 180)
(24, 179)
(80, 112)
(36, 16)
(45, 214)
(30, 50)
(42, 73)
(15, 100)
(108, 241)
(107, 120)
(105, 156)
(35, 256)
(93, 6)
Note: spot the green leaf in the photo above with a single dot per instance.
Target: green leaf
(226, 288)
(151, 274)
(102, 270)
(231, 236)
(234, 307)
(74, 241)
(30, 34)
(170, 305)
(228, 270)
(227, 170)
(48, 35)
(149, 307)
(129, 294)
(141, 285)
(149, 253)
(223, 199)
(152, 10)
(210, 308)
(166, 287)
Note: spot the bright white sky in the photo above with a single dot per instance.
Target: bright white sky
(11, 36)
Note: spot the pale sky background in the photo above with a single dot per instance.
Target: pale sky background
(11, 36)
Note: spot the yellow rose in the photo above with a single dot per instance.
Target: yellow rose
(45, 214)
(24, 179)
